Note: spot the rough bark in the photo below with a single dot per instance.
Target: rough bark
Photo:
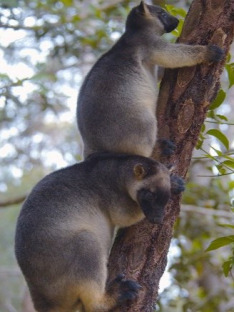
(185, 94)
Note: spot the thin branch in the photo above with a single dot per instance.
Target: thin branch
(13, 201)
(9, 307)
(220, 122)
(207, 211)
(10, 271)
(110, 4)
(215, 175)
(19, 27)
(219, 162)
(230, 153)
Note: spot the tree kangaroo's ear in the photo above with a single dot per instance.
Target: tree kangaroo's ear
(139, 171)
(143, 9)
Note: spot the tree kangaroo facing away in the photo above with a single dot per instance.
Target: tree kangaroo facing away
(65, 229)
(117, 101)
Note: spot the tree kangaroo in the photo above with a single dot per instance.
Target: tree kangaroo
(65, 229)
(117, 101)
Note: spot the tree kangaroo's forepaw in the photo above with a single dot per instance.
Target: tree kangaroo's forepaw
(167, 147)
(214, 53)
(126, 290)
(177, 184)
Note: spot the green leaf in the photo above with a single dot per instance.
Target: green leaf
(230, 72)
(203, 128)
(5, 77)
(226, 225)
(199, 143)
(222, 117)
(229, 56)
(211, 114)
(76, 19)
(67, 2)
(44, 76)
(231, 185)
(218, 100)
(229, 163)
(220, 136)
(220, 242)
(175, 11)
(221, 169)
(227, 266)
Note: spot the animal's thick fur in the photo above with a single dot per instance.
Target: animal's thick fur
(66, 226)
(117, 101)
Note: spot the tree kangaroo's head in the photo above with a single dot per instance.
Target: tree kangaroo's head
(150, 187)
(152, 17)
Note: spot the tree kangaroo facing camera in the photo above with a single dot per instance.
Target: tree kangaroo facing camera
(65, 229)
(117, 101)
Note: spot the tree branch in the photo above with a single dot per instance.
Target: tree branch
(14, 201)
(185, 94)
(207, 211)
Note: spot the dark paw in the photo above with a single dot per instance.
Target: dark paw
(124, 289)
(177, 184)
(128, 290)
(215, 54)
(167, 147)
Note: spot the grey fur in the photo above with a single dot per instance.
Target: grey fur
(66, 226)
(117, 101)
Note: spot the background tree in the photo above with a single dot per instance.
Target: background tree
(46, 48)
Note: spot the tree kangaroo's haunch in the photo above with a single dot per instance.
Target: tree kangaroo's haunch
(65, 229)
(117, 101)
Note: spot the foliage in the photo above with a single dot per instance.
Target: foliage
(223, 160)
(228, 264)
(53, 43)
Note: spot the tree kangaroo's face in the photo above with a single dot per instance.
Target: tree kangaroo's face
(153, 203)
(151, 17)
(152, 190)
(168, 21)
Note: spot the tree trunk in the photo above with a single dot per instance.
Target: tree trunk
(140, 251)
